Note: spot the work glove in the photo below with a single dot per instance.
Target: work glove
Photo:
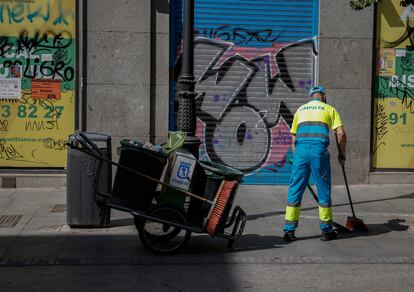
(341, 158)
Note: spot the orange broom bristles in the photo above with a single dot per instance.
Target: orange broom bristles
(220, 206)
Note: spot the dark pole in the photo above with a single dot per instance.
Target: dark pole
(187, 73)
(84, 81)
(186, 95)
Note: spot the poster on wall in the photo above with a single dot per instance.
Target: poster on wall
(393, 126)
(37, 82)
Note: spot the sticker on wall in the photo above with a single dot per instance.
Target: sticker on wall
(11, 83)
(386, 64)
(10, 88)
(400, 53)
(46, 89)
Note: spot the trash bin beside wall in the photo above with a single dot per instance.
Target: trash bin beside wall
(81, 207)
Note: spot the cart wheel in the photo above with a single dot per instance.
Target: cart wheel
(168, 232)
(161, 238)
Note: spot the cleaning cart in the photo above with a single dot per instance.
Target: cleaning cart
(143, 187)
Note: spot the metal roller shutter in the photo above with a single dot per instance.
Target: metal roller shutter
(254, 62)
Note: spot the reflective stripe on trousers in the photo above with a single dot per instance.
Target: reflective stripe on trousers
(310, 158)
(325, 218)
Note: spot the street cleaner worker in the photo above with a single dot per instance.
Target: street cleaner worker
(310, 140)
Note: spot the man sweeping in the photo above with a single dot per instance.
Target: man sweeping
(310, 140)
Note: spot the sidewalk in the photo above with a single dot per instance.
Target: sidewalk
(42, 237)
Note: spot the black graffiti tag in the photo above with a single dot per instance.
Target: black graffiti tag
(5, 45)
(381, 126)
(51, 143)
(407, 63)
(381, 122)
(46, 40)
(407, 35)
(9, 152)
(4, 125)
(56, 44)
(400, 90)
(238, 35)
(405, 3)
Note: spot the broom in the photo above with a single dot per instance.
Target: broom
(352, 223)
(218, 206)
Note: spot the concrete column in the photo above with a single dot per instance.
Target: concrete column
(118, 68)
(345, 69)
(160, 81)
(127, 68)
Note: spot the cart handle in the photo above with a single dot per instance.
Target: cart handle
(81, 140)
(92, 145)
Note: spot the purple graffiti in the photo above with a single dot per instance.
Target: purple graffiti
(305, 84)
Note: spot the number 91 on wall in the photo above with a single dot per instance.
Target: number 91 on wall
(393, 139)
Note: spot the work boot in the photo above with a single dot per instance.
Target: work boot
(326, 236)
(289, 236)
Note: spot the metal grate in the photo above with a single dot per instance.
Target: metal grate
(59, 208)
(9, 221)
(9, 182)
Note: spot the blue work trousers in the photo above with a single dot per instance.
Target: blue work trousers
(310, 157)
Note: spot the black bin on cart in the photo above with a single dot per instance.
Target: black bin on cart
(132, 187)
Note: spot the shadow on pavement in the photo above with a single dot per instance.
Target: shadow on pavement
(250, 242)
(378, 229)
(247, 242)
(277, 213)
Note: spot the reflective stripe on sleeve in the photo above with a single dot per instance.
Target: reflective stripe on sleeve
(311, 123)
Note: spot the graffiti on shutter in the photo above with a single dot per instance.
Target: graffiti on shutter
(251, 77)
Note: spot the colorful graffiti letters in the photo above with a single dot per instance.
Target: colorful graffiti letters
(242, 117)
